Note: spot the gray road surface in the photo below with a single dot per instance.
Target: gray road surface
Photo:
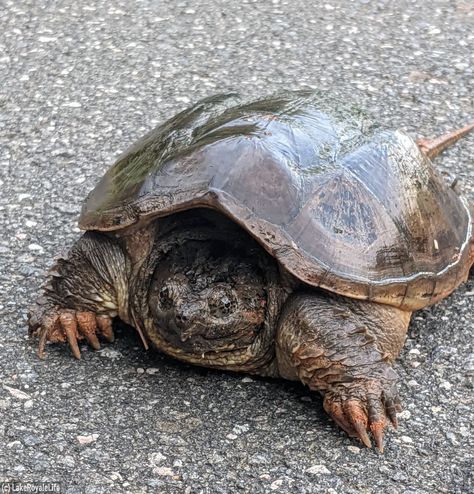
(79, 82)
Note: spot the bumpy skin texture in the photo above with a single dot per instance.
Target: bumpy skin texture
(200, 289)
(86, 289)
(344, 349)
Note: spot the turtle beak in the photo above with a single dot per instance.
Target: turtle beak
(187, 318)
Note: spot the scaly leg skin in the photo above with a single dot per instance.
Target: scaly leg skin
(344, 349)
(86, 289)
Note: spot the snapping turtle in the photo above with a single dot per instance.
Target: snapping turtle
(286, 237)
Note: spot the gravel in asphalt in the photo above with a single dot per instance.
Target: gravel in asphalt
(79, 82)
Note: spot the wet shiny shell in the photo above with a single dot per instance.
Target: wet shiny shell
(339, 202)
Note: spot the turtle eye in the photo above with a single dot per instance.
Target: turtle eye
(166, 297)
(221, 304)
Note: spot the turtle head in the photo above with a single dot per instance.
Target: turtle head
(206, 298)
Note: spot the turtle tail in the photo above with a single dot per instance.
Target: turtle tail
(432, 147)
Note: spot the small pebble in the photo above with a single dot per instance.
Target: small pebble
(17, 393)
(276, 484)
(464, 431)
(72, 104)
(451, 437)
(47, 39)
(406, 439)
(68, 461)
(14, 444)
(152, 370)
(110, 353)
(35, 247)
(28, 404)
(404, 415)
(399, 477)
(156, 458)
(354, 449)
(87, 439)
(238, 429)
(318, 470)
(164, 471)
(32, 440)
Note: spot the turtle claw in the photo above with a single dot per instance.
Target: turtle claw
(391, 411)
(43, 338)
(377, 429)
(362, 408)
(61, 325)
(340, 418)
(105, 326)
(362, 433)
(69, 326)
(88, 327)
(93, 341)
(358, 420)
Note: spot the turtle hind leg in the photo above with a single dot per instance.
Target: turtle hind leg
(344, 349)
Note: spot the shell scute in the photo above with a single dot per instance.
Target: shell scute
(339, 202)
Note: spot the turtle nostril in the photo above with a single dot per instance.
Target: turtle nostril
(181, 318)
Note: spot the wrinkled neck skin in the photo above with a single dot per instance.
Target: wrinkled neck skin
(204, 292)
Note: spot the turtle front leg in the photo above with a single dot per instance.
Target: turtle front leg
(344, 349)
(86, 289)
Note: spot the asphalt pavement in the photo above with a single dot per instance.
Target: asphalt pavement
(79, 82)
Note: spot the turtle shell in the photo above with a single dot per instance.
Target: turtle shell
(341, 203)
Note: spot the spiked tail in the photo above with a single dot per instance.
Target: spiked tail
(433, 147)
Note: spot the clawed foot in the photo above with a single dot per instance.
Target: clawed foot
(364, 407)
(61, 325)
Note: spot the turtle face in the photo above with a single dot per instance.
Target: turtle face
(205, 298)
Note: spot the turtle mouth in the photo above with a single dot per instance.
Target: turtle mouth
(190, 331)
(199, 336)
